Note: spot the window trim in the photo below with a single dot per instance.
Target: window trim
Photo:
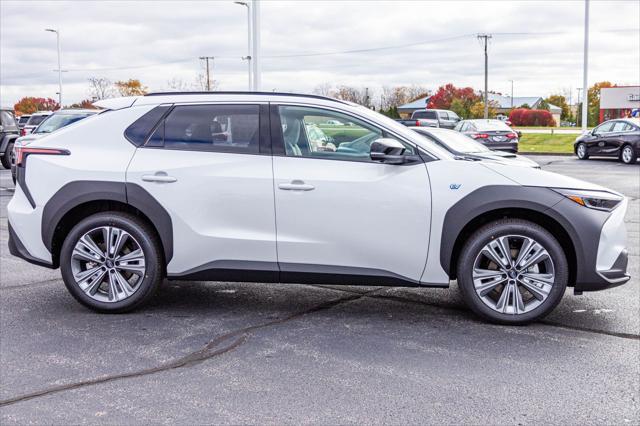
(277, 139)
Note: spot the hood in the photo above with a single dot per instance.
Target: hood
(507, 158)
(528, 176)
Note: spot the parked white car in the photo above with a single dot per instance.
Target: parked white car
(148, 190)
(34, 121)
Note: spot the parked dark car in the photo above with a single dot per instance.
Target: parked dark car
(614, 138)
(463, 146)
(494, 134)
(432, 118)
(8, 134)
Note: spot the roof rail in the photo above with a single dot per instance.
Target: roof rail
(304, 95)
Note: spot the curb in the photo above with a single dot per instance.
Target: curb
(560, 154)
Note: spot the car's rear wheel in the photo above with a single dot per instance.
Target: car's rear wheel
(512, 272)
(6, 158)
(111, 262)
(628, 155)
(581, 151)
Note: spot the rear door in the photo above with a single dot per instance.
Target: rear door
(209, 165)
(338, 212)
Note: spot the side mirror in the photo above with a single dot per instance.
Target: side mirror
(388, 151)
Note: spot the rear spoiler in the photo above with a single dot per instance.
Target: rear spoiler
(116, 103)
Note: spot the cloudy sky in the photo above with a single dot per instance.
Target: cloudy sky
(538, 44)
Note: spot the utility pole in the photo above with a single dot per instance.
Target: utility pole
(485, 38)
(511, 93)
(585, 65)
(206, 58)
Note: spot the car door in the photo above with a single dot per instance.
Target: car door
(614, 139)
(210, 167)
(596, 140)
(338, 213)
(444, 120)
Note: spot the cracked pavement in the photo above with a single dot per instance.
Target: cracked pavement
(214, 352)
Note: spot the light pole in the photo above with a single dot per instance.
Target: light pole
(248, 57)
(255, 44)
(485, 38)
(59, 66)
(511, 93)
(585, 86)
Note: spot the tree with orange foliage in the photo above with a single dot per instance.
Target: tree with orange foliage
(29, 105)
(131, 87)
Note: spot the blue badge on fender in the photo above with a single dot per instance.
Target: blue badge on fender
(455, 185)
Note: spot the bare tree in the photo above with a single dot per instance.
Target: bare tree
(201, 83)
(179, 85)
(417, 92)
(323, 89)
(358, 95)
(100, 88)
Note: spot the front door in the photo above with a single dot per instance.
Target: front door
(206, 166)
(339, 213)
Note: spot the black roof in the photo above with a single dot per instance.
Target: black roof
(303, 95)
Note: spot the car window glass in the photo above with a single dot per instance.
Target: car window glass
(23, 119)
(34, 120)
(453, 115)
(221, 128)
(628, 128)
(619, 126)
(604, 128)
(306, 133)
(443, 115)
(425, 114)
(7, 119)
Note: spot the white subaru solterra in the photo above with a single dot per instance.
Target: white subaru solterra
(273, 187)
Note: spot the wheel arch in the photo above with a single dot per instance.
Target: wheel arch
(78, 200)
(498, 202)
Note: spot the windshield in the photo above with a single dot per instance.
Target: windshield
(57, 121)
(36, 119)
(456, 141)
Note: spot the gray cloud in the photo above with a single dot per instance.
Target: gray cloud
(158, 41)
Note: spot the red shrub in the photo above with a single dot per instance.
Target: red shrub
(531, 117)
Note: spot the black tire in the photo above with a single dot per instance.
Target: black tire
(504, 227)
(6, 158)
(582, 152)
(149, 244)
(628, 155)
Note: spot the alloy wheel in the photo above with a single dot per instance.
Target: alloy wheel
(582, 150)
(513, 274)
(108, 264)
(627, 154)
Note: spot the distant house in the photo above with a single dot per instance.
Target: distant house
(406, 110)
(505, 104)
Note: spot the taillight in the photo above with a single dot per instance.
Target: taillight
(23, 132)
(22, 152)
(511, 135)
(479, 135)
(417, 123)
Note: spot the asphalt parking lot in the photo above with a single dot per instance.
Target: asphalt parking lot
(212, 352)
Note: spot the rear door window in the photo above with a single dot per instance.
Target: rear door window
(443, 115)
(36, 120)
(425, 114)
(216, 128)
(619, 126)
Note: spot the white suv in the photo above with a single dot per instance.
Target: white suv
(227, 186)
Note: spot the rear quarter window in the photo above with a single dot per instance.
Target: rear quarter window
(138, 132)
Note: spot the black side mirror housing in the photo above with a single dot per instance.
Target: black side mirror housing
(390, 151)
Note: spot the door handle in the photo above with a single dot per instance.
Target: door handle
(296, 185)
(159, 177)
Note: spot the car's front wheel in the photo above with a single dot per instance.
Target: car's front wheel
(512, 271)
(628, 155)
(6, 158)
(581, 151)
(111, 262)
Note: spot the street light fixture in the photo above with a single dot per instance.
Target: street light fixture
(248, 57)
(57, 32)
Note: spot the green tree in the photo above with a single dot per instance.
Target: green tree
(561, 101)
(593, 115)
(458, 106)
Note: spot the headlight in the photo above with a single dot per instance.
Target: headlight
(598, 200)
